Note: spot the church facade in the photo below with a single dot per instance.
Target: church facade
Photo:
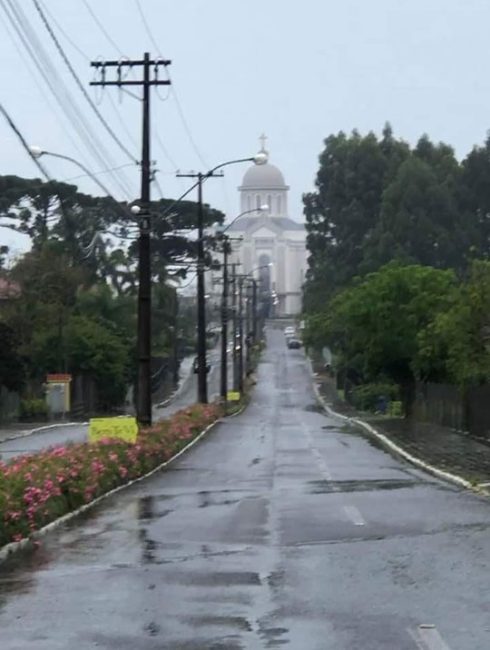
(267, 242)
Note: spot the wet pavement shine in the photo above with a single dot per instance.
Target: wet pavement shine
(281, 528)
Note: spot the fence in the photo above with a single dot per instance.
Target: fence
(453, 407)
(9, 405)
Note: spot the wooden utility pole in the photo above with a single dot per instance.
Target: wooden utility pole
(121, 67)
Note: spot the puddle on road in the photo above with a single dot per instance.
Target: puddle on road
(217, 579)
(147, 510)
(235, 622)
(326, 487)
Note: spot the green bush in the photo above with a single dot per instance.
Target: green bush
(367, 396)
(33, 409)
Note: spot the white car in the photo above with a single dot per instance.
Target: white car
(289, 331)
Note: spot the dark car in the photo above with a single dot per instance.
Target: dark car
(195, 366)
(293, 344)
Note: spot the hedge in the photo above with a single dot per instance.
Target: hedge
(37, 489)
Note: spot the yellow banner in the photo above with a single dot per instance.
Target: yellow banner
(233, 396)
(122, 428)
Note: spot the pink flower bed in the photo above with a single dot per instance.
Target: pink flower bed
(36, 489)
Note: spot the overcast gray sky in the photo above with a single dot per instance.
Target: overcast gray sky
(296, 70)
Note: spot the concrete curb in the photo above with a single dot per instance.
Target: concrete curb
(394, 448)
(176, 393)
(12, 547)
(234, 415)
(29, 432)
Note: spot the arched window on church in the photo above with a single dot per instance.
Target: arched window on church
(279, 206)
(257, 201)
(269, 203)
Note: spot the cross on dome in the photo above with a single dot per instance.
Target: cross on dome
(263, 139)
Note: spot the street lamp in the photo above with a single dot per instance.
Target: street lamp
(202, 387)
(37, 152)
(221, 231)
(143, 406)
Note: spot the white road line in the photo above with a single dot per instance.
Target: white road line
(354, 515)
(427, 637)
(351, 511)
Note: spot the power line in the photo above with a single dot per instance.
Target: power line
(52, 106)
(41, 59)
(17, 132)
(85, 56)
(112, 42)
(147, 27)
(67, 37)
(101, 27)
(172, 88)
(79, 83)
(186, 125)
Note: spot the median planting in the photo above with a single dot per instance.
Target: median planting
(38, 488)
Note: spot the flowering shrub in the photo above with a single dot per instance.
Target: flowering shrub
(39, 488)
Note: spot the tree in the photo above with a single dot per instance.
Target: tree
(455, 347)
(12, 372)
(475, 198)
(343, 212)
(375, 324)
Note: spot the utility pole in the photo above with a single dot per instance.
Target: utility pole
(202, 378)
(143, 402)
(248, 328)
(240, 331)
(235, 328)
(254, 311)
(224, 324)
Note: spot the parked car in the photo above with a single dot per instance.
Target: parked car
(289, 331)
(195, 366)
(293, 343)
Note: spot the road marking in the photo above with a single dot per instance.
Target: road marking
(427, 637)
(352, 512)
(354, 515)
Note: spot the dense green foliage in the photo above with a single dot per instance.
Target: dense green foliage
(398, 284)
(75, 308)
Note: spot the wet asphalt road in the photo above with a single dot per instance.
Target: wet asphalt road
(281, 528)
(187, 394)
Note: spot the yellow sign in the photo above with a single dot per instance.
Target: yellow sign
(233, 396)
(122, 428)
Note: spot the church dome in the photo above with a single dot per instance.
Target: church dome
(266, 176)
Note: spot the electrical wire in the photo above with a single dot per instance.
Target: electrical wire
(80, 85)
(184, 286)
(101, 27)
(41, 59)
(17, 132)
(112, 42)
(53, 108)
(165, 151)
(172, 88)
(85, 56)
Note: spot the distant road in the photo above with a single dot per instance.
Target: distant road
(78, 433)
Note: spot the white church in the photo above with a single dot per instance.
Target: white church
(272, 246)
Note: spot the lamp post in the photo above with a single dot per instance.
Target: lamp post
(224, 303)
(202, 385)
(37, 152)
(241, 278)
(143, 401)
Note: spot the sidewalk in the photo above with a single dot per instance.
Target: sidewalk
(448, 450)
